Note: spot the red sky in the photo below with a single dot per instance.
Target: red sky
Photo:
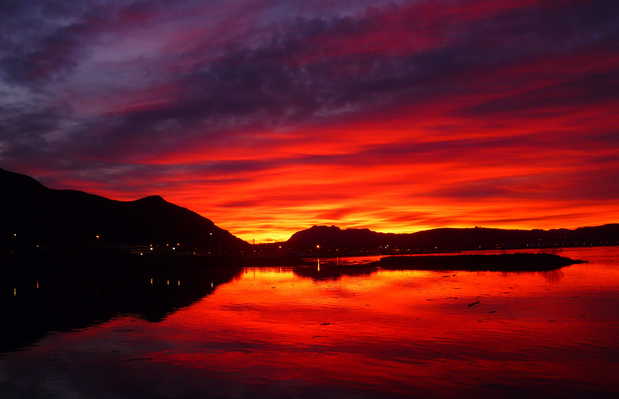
(270, 116)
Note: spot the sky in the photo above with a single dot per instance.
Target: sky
(270, 116)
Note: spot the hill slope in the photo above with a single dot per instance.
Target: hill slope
(34, 214)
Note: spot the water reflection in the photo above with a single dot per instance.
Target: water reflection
(553, 276)
(298, 332)
(72, 298)
(336, 271)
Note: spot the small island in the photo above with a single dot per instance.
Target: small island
(476, 262)
(514, 262)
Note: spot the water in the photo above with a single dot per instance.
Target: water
(293, 333)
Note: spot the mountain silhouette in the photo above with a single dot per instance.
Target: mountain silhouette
(34, 216)
(332, 238)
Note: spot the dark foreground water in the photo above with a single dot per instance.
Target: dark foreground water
(295, 333)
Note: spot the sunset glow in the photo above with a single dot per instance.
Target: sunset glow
(477, 334)
(271, 116)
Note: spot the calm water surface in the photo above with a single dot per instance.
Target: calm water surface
(286, 332)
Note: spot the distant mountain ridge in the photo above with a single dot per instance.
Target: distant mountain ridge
(330, 238)
(32, 214)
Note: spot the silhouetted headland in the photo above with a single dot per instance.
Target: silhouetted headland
(38, 219)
